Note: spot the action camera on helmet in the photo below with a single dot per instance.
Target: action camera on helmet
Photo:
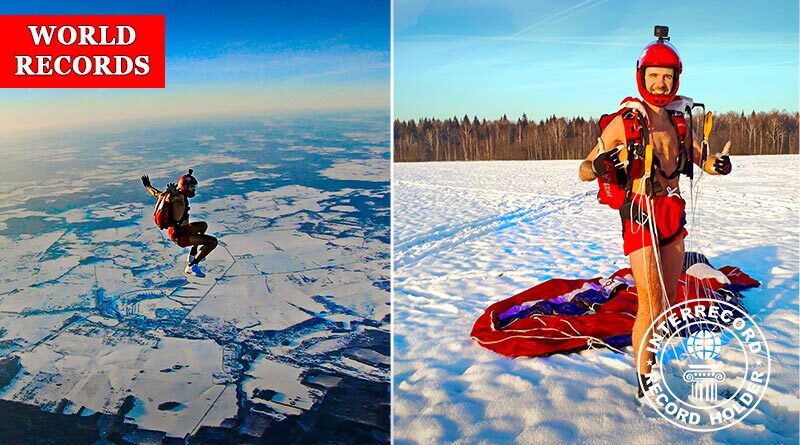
(662, 32)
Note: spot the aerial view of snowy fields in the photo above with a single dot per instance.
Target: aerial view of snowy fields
(103, 336)
(469, 234)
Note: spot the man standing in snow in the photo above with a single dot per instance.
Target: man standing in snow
(640, 175)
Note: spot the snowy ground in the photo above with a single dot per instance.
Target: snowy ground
(97, 315)
(469, 234)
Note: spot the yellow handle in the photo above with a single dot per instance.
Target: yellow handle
(640, 184)
(708, 122)
(648, 160)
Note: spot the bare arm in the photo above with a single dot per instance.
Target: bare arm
(149, 187)
(697, 150)
(585, 171)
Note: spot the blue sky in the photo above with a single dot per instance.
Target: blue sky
(235, 57)
(577, 57)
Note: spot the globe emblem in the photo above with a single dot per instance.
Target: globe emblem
(703, 345)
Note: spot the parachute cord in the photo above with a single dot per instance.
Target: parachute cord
(641, 191)
(590, 341)
(568, 335)
(688, 243)
(656, 248)
(571, 327)
(696, 195)
(692, 220)
(665, 303)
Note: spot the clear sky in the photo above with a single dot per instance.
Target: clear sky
(577, 57)
(227, 57)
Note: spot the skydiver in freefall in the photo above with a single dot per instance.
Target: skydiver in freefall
(172, 213)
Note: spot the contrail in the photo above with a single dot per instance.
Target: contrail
(540, 22)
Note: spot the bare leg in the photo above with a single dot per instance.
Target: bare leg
(198, 227)
(648, 289)
(672, 267)
(205, 244)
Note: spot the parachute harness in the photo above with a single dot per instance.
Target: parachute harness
(700, 288)
(643, 190)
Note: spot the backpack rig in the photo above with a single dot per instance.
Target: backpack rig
(616, 187)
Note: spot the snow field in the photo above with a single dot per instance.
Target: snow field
(469, 234)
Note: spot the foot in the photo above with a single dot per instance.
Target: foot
(643, 385)
(194, 269)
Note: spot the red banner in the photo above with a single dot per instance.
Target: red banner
(82, 51)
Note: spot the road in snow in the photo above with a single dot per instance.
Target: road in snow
(469, 234)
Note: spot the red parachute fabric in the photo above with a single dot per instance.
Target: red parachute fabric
(537, 334)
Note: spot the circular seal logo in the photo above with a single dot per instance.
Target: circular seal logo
(710, 365)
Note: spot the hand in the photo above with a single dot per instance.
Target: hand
(146, 181)
(722, 165)
(607, 161)
(172, 188)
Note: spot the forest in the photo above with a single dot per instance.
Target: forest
(757, 133)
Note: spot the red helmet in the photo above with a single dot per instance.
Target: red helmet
(661, 54)
(187, 184)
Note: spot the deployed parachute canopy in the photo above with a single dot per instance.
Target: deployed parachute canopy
(561, 315)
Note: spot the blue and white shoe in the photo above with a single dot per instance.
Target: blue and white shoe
(194, 270)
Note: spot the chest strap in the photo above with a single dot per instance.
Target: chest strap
(640, 153)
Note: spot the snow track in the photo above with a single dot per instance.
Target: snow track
(444, 236)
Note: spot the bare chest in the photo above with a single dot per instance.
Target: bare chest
(664, 141)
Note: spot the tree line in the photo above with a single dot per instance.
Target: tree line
(757, 133)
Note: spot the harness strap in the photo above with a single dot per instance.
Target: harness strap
(635, 124)
(185, 216)
(632, 211)
(614, 189)
(685, 156)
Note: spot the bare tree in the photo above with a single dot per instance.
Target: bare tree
(771, 132)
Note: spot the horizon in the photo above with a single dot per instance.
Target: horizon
(253, 57)
(142, 123)
(530, 119)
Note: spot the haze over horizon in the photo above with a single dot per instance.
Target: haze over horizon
(256, 57)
